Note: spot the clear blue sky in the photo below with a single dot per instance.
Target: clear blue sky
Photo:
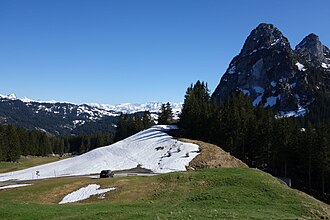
(135, 51)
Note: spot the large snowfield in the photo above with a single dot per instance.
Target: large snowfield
(151, 149)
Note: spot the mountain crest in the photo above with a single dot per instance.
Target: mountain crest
(263, 37)
(271, 73)
(313, 51)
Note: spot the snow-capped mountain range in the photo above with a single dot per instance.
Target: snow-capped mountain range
(69, 118)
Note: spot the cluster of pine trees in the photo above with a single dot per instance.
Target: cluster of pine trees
(17, 141)
(285, 147)
(132, 124)
(165, 115)
(87, 142)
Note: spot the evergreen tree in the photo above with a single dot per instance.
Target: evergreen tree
(165, 115)
(196, 111)
(14, 152)
(323, 155)
(3, 153)
(147, 120)
(122, 130)
(44, 147)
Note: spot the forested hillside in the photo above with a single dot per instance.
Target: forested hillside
(17, 141)
(292, 147)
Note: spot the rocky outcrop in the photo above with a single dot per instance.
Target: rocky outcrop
(312, 51)
(271, 73)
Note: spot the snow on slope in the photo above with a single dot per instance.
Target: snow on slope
(14, 186)
(152, 148)
(84, 193)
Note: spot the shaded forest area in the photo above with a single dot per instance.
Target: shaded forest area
(17, 141)
(296, 148)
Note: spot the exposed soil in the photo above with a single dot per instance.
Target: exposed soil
(211, 156)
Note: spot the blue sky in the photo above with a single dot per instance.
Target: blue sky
(135, 51)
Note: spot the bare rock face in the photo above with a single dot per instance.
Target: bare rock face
(271, 73)
(312, 51)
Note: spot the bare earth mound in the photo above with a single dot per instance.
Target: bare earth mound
(212, 156)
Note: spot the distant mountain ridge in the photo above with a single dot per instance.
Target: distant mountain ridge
(272, 73)
(60, 118)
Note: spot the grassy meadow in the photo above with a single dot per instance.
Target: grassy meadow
(228, 193)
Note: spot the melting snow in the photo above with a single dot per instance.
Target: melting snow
(325, 66)
(14, 186)
(259, 89)
(140, 148)
(245, 91)
(301, 112)
(232, 70)
(300, 67)
(84, 193)
(257, 100)
(275, 42)
(271, 101)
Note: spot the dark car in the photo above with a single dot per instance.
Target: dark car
(106, 174)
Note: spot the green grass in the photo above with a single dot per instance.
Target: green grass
(26, 162)
(229, 193)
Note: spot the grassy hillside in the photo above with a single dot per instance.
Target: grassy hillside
(228, 193)
(212, 156)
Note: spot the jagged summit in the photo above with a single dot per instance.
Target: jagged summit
(263, 37)
(271, 73)
(313, 51)
(255, 71)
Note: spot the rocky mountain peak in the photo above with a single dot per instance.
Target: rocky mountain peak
(262, 37)
(271, 73)
(265, 53)
(313, 51)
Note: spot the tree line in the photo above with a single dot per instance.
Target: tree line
(132, 124)
(285, 147)
(16, 141)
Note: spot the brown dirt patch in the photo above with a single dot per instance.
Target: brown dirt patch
(212, 156)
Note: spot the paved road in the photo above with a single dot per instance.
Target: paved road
(123, 174)
(93, 176)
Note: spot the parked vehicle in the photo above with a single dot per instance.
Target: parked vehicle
(106, 174)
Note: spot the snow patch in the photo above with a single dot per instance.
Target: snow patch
(257, 100)
(135, 150)
(232, 70)
(271, 101)
(245, 91)
(84, 193)
(299, 113)
(325, 66)
(300, 67)
(258, 89)
(275, 42)
(14, 186)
